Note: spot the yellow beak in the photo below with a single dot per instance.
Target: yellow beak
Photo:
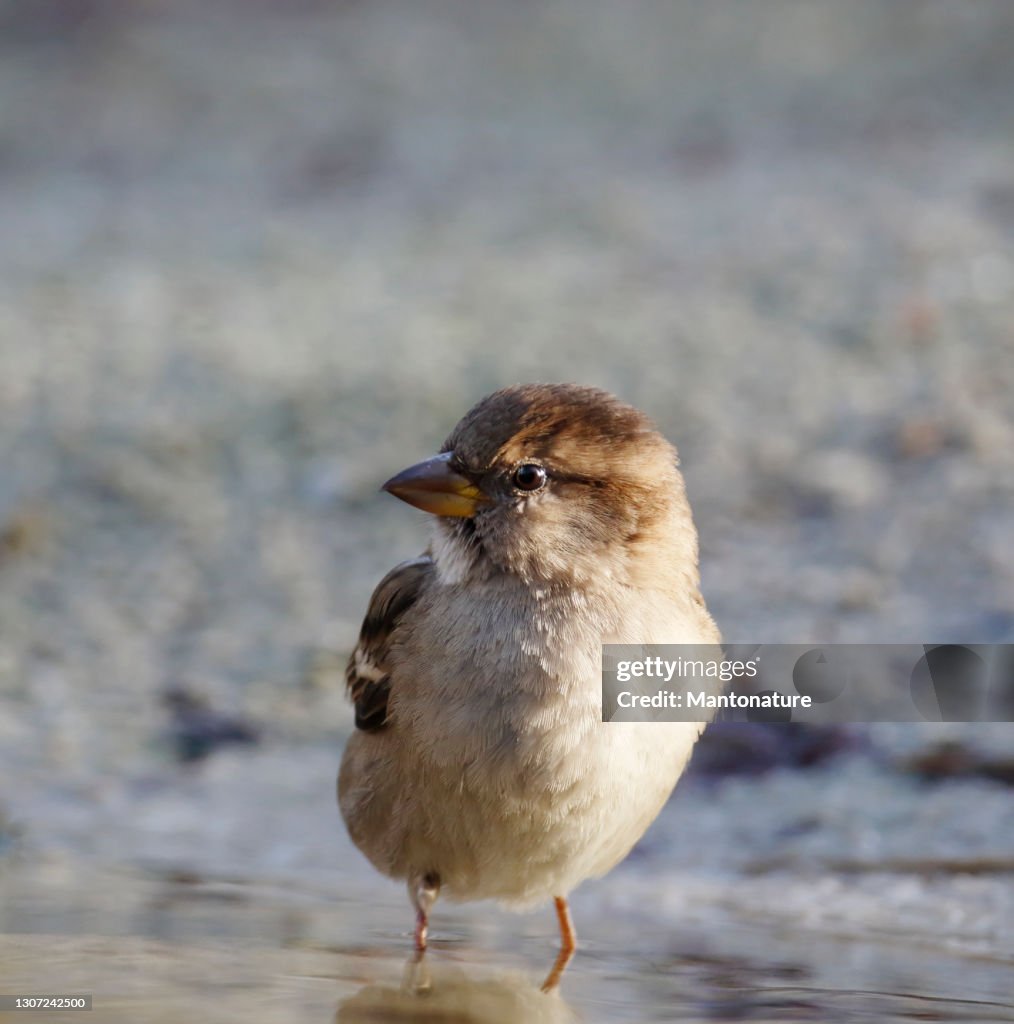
(434, 487)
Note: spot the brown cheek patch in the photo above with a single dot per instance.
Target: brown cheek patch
(570, 526)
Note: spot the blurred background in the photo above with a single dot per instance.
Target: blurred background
(257, 257)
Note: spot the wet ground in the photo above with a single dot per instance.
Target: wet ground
(227, 889)
(851, 892)
(161, 948)
(255, 259)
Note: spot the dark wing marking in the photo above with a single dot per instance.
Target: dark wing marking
(367, 674)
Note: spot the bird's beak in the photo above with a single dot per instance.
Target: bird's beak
(434, 487)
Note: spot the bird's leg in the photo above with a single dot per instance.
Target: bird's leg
(568, 943)
(423, 891)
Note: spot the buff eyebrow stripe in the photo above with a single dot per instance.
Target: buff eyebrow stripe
(576, 478)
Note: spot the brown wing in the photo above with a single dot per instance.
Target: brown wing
(367, 674)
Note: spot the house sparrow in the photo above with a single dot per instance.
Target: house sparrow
(480, 766)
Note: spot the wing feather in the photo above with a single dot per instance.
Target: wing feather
(367, 675)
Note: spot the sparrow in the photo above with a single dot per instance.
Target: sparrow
(480, 766)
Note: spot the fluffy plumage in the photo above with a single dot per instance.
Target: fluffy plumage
(481, 767)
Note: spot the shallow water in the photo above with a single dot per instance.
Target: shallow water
(848, 893)
(151, 948)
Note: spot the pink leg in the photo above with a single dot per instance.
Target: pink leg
(422, 923)
(423, 891)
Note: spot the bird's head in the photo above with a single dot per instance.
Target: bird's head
(557, 484)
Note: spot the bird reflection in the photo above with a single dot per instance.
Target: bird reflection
(451, 994)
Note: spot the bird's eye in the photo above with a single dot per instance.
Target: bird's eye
(529, 477)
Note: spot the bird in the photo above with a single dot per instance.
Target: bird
(480, 767)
